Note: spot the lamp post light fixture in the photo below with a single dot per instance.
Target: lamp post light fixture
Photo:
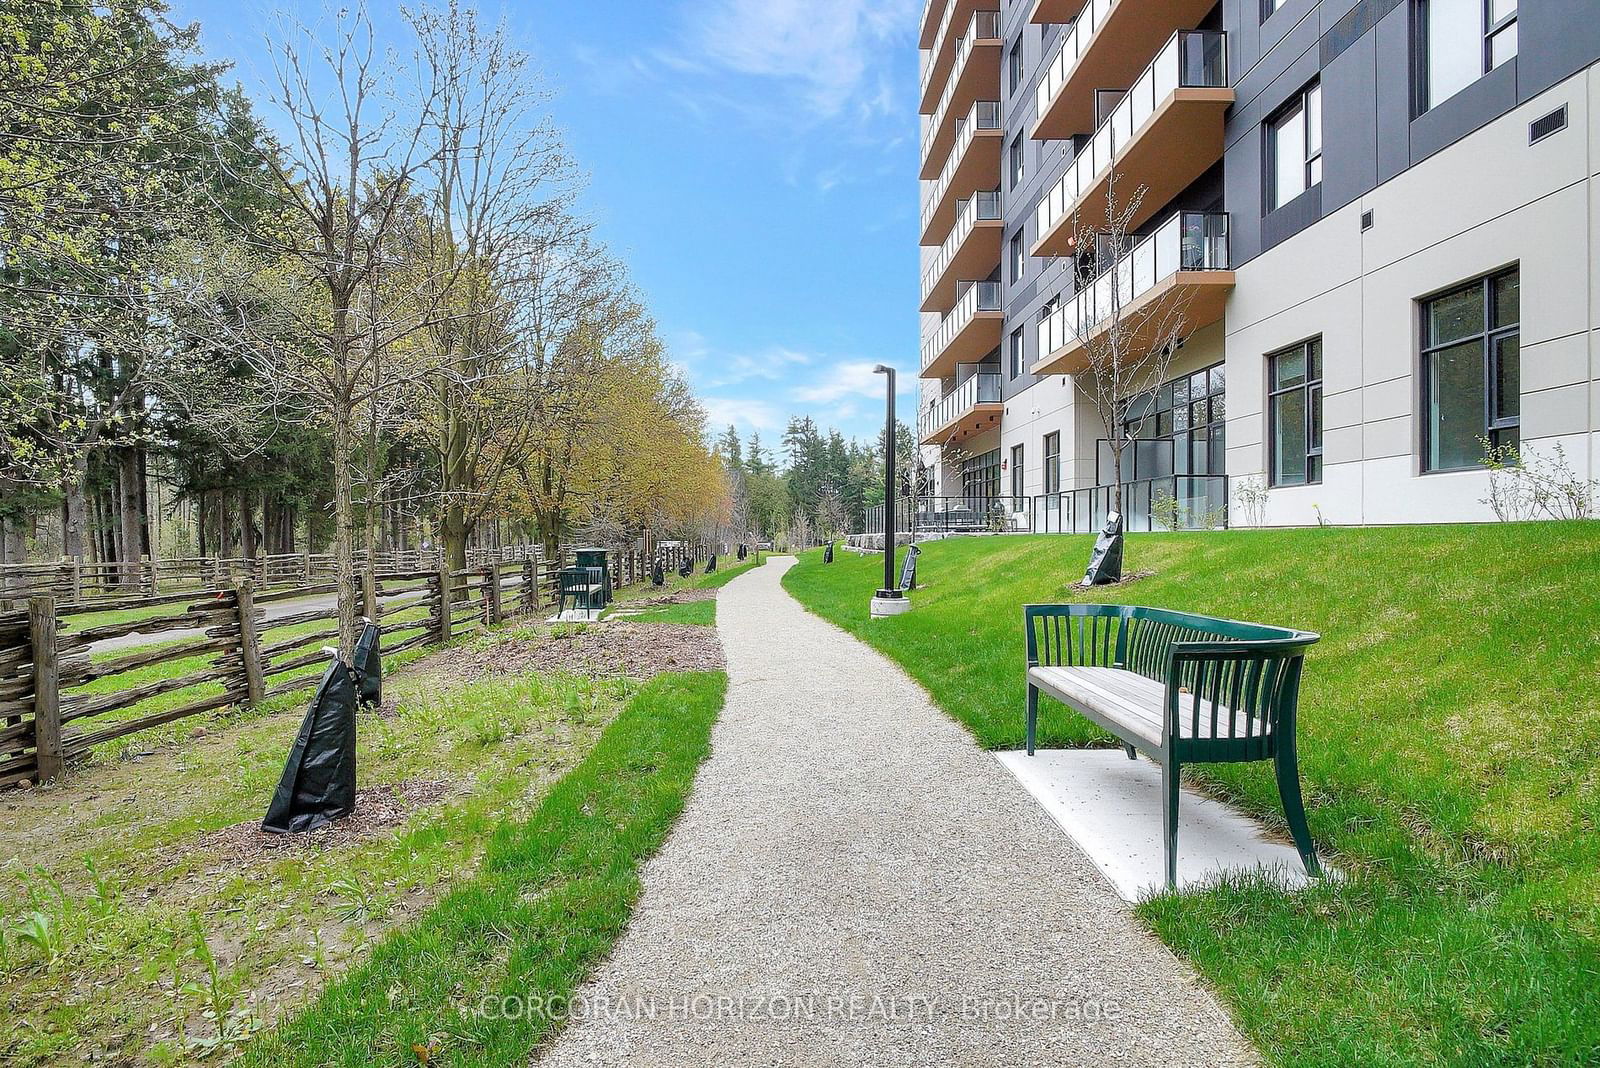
(888, 601)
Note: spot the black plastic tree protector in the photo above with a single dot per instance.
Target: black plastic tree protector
(1105, 563)
(368, 666)
(827, 554)
(319, 779)
(744, 550)
(686, 569)
(658, 573)
(711, 564)
(908, 571)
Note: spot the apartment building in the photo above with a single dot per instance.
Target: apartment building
(1381, 216)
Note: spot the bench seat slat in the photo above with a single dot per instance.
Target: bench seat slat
(1138, 704)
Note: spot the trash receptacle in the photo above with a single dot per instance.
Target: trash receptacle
(593, 557)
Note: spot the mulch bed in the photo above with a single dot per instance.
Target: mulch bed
(378, 808)
(601, 650)
(698, 593)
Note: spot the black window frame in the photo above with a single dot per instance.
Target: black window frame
(980, 477)
(1312, 408)
(1016, 358)
(1052, 462)
(1015, 68)
(1016, 162)
(1301, 102)
(1019, 483)
(1017, 268)
(1486, 63)
(1495, 428)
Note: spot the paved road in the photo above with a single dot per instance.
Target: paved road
(273, 609)
(854, 882)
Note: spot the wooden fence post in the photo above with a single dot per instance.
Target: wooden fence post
(369, 596)
(244, 599)
(530, 586)
(443, 584)
(46, 688)
(491, 595)
(76, 578)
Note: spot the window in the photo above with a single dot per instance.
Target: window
(1018, 483)
(1460, 42)
(980, 478)
(1015, 352)
(1014, 66)
(1294, 409)
(1179, 428)
(1268, 7)
(1016, 158)
(1294, 148)
(1052, 463)
(1471, 371)
(1019, 260)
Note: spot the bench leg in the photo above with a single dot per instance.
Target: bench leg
(1033, 715)
(1169, 797)
(1133, 754)
(1287, 765)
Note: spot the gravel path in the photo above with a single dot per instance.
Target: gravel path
(854, 882)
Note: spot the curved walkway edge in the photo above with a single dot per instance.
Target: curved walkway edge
(855, 882)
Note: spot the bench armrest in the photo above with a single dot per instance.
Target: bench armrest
(1244, 690)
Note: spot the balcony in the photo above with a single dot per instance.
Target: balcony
(938, 61)
(969, 333)
(971, 251)
(974, 164)
(1173, 281)
(1055, 12)
(977, 72)
(971, 408)
(934, 15)
(1107, 45)
(1164, 133)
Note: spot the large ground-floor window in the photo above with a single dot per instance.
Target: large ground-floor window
(1471, 371)
(1175, 429)
(1294, 410)
(980, 476)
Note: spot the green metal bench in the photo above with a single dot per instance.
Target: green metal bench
(1181, 688)
(585, 586)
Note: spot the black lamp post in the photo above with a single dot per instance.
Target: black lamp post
(891, 589)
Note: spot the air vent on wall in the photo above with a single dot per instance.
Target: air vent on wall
(1546, 125)
(1366, 220)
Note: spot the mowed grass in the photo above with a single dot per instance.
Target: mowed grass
(473, 981)
(1450, 747)
(695, 613)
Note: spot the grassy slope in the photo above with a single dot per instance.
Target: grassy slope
(549, 899)
(1450, 741)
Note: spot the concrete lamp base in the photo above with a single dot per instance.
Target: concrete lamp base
(889, 604)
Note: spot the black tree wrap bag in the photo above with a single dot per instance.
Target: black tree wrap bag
(319, 778)
(369, 666)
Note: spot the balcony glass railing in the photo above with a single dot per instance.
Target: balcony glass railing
(1191, 59)
(1075, 40)
(930, 55)
(1189, 241)
(985, 25)
(976, 208)
(981, 388)
(979, 297)
(985, 115)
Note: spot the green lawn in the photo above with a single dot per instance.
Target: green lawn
(1450, 747)
(696, 613)
(728, 568)
(550, 897)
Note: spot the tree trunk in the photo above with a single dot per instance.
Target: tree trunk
(148, 520)
(130, 515)
(344, 533)
(75, 510)
(248, 530)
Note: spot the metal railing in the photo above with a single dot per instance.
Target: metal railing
(929, 55)
(980, 388)
(979, 207)
(1190, 59)
(1075, 41)
(984, 26)
(985, 115)
(979, 297)
(1188, 241)
(1176, 502)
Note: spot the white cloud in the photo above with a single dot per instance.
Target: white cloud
(845, 379)
(829, 50)
(746, 413)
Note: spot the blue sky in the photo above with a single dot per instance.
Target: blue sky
(754, 161)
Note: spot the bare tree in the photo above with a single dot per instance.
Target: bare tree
(300, 301)
(1128, 344)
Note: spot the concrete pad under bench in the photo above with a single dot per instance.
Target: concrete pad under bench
(1110, 807)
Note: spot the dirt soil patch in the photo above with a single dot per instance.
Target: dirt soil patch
(600, 650)
(695, 593)
(378, 808)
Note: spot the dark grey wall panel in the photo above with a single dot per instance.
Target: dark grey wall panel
(1555, 39)
(1477, 105)
(1349, 125)
(1392, 92)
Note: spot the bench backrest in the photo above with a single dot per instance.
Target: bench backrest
(1244, 677)
(578, 579)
